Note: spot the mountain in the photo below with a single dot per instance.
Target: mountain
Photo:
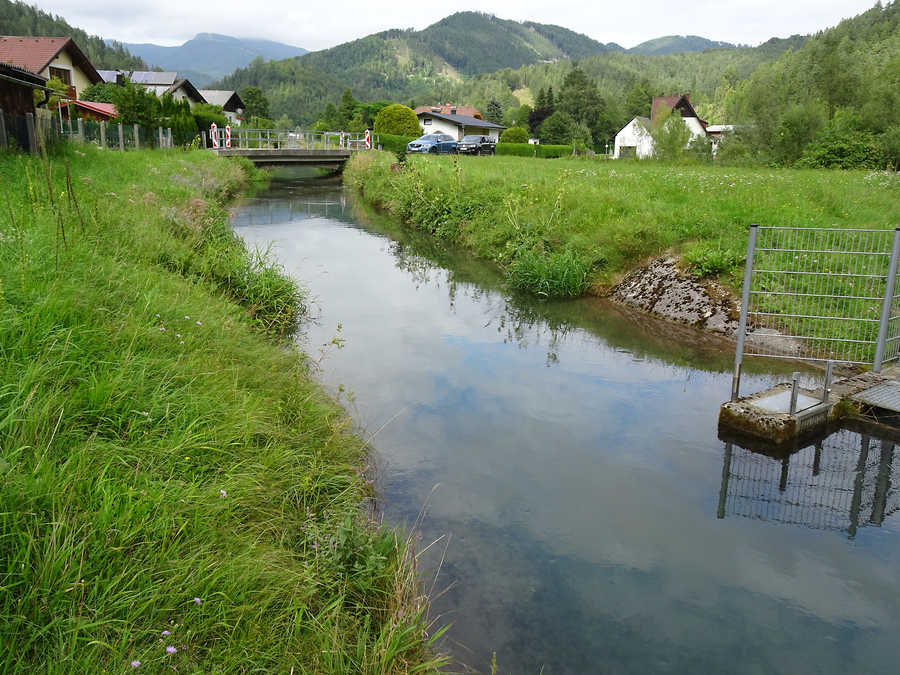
(404, 64)
(209, 56)
(17, 18)
(678, 44)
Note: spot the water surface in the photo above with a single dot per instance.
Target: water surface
(568, 454)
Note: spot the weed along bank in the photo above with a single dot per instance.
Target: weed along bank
(179, 492)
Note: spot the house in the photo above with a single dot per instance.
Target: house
(231, 103)
(450, 109)
(457, 125)
(634, 139)
(16, 87)
(50, 58)
(160, 83)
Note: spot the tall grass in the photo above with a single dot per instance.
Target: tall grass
(604, 217)
(170, 477)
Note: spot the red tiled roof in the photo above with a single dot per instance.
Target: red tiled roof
(662, 102)
(445, 108)
(107, 110)
(36, 53)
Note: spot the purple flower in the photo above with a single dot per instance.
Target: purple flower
(171, 650)
(135, 664)
(165, 632)
(199, 323)
(223, 494)
(197, 600)
(162, 329)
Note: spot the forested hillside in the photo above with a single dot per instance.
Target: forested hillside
(18, 18)
(833, 102)
(476, 58)
(677, 44)
(405, 64)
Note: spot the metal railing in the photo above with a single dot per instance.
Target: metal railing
(299, 139)
(820, 294)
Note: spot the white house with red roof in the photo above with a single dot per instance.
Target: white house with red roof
(634, 139)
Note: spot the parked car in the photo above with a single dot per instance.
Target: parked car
(477, 145)
(433, 143)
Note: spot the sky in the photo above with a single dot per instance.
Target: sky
(316, 26)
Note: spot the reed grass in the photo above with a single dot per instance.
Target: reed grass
(170, 475)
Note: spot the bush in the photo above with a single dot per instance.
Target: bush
(398, 120)
(395, 144)
(205, 114)
(514, 135)
(558, 128)
(527, 150)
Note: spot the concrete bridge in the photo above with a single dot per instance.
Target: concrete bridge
(268, 147)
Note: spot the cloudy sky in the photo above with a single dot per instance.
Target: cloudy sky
(320, 25)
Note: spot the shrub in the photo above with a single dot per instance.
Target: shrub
(395, 144)
(514, 135)
(527, 150)
(205, 114)
(558, 128)
(398, 120)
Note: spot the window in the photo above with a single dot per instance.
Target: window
(426, 122)
(61, 74)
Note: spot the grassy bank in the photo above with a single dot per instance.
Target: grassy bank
(177, 492)
(567, 226)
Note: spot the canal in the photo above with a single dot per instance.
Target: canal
(565, 457)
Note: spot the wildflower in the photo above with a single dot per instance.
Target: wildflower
(135, 664)
(181, 343)
(157, 316)
(223, 494)
(187, 318)
(199, 323)
(165, 632)
(197, 600)
(315, 544)
(177, 334)
(171, 650)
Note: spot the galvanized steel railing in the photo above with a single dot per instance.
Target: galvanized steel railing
(820, 294)
(273, 139)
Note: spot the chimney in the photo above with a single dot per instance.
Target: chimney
(687, 95)
(452, 111)
(120, 79)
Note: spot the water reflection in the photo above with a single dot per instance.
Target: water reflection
(843, 482)
(579, 499)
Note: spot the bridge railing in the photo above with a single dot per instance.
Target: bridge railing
(274, 139)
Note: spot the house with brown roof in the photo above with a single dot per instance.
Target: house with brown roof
(634, 139)
(51, 57)
(450, 109)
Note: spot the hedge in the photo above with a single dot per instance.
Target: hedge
(528, 150)
(395, 144)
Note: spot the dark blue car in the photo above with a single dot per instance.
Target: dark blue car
(433, 143)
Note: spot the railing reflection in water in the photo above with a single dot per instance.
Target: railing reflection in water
(843, 482)
(264, 212)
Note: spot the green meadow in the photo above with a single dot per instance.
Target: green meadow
(564, 227)
(177, 493)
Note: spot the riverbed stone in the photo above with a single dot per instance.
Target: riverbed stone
(663, 288)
